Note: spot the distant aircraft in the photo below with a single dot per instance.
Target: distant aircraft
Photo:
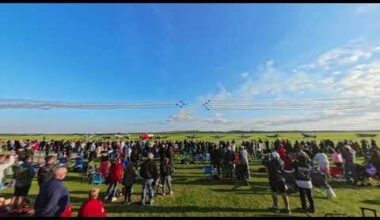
(123, 136)
(245, 136)
(217, 136)
(272, 135)
(160, 137)
(146, 136)
(366, 135)
(305, 135)
(193, 136)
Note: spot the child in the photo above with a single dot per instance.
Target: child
(93, 207)
(129, 180)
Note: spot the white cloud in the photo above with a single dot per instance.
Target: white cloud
(364, 8)
(182, 115)
(349, 73)
(217, 118)
(244, 75)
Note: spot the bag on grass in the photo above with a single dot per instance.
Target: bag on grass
(68, 212)
(370, 170)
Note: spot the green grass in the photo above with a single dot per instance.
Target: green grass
(292, 136)
(196, 196)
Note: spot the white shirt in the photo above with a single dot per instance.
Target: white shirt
(322, 160)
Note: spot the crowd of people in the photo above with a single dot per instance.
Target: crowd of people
(305, 159)
(123, 164)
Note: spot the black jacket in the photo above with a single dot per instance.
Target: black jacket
(165, 170)
(303, 168)
(44, 174)
(149, 170)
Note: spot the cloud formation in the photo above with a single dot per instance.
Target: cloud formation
(349, 75)
(47, 105)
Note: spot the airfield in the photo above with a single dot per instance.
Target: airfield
(194, 195)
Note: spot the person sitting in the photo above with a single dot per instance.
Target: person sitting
(93, 207)
(62, 158)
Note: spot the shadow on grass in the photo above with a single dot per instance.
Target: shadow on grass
(372, 202)
(136, 208)
(255, 188)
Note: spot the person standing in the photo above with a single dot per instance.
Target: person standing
(23, 173)
(114, 177)
(45, 172)
(348, 155)
(129, 180)
(277, 181)
(303, 180)
(166, 173)
(92, 150)
(149, 174)
(54, 196)
(244, 165)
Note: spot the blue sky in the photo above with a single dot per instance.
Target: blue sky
(171, 52)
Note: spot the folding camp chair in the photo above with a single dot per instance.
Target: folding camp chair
(368, 209)
(97, 179)
(79, 164)
(208, 171)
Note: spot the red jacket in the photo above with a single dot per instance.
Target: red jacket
(116, 173)
(92, 208)
(288, 164)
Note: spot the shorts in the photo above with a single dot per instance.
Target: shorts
(22, 191)
(278, 186)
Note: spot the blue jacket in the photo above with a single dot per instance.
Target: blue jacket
(52, 199)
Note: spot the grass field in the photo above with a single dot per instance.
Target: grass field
(292, 136)
(196, 196)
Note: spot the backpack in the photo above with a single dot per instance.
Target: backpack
(370, 170)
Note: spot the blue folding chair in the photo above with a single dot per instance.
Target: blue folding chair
(208, 171)
(79, 164)
(97, 179)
